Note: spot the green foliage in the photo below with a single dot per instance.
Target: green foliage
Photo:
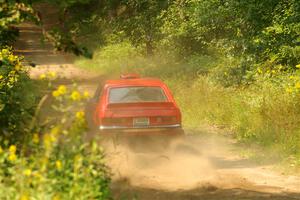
(77, 20)
(140, 22)
(55, 162)
(114, 59)
(69, 3)
(278, 43)
(64, 42)
(12, 13)
(16, 103)
(254, 31)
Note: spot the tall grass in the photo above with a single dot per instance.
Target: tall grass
(262, 112)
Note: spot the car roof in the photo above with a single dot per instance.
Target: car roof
(134, 82)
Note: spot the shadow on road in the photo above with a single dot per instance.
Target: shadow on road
(123, 190)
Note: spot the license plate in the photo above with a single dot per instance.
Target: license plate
(140, 122)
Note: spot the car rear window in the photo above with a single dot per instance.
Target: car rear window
(136, 94)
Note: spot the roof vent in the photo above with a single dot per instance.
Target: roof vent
(129, 76)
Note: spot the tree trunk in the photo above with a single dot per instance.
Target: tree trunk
(149, 48)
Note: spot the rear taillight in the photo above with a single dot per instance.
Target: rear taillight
(165, 120)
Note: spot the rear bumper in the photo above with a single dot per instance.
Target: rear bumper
(164, 130)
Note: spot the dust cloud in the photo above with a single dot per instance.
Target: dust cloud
(184, 164)
(168, 169)
(208, 161)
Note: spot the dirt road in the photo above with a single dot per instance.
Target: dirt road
(207, 165)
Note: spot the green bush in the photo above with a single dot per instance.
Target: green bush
(17, 99)
(56, 162)
(114, 58)
(13, 13)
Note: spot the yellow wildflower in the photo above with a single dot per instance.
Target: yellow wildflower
(75, 96)
(297, 85)
(47, 140)
(12, 157)
(80, 115)
(86, 95)
(58, 165)
(56, 197)
(1, 77)
(12, 149)
(55, 93)
(35, 138)
(292, 77)
(55, 131)
(44, 162)
(17, 67)
(298, 66)
(24, 197)
(62, 89)
(78, 158)
(43, 76)
(289, 90)
(259, 70)
(27, 172)
(11, 58)
(53, 138)
(52, 74)
(77, 162)
(37, 175)
(4, 51)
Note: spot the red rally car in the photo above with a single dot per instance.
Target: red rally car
(134, 106)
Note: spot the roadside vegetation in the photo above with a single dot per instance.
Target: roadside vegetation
(231, 64)
(235, 64)
(43, 154)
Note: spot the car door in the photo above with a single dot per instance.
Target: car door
(91, 107)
